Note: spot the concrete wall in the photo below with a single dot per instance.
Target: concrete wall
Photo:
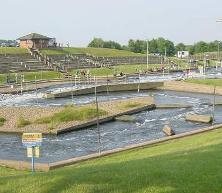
(103, 88)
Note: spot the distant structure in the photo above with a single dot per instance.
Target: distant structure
(36, 41)
(183, 54)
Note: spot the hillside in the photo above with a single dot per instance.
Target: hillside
(103, 52)
(189, 165)
(12, 50)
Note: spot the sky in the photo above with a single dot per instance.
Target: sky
(79, 21)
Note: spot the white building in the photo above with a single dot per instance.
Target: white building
(183, 54)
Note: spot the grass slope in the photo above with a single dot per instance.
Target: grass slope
(30, 76)
(13, 50)
(127, 69)
(210, 82)
(189, 165)
(103, 52)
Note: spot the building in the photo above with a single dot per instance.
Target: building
(183, 54)
(36, 41)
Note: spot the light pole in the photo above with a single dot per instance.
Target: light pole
(219, 21)
(147, 54)
(218, 53)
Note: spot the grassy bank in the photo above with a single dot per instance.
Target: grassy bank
(71, 113)
(12, 51)
(210, 82)
(189, 165)
(126, 69)
(30, 76)
(103, 52)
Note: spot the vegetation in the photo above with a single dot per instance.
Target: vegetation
(58, 51)
(191, 164)
(211, 82)
(30, 76)
(2, 121)
(133, 105)
(71, 113)
(12, 50)
(115, 70)
(102, 52)
(22, 122)
(100, 43)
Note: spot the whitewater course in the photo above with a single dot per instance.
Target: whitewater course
(147, 126)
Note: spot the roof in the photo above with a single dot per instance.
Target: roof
(34, 36)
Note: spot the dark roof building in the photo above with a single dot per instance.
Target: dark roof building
(34, 41)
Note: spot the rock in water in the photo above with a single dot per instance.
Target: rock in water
(168, 131)
(199, 118)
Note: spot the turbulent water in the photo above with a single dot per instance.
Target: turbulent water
(148, 126)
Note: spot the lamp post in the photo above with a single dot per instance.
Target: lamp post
(147, 54)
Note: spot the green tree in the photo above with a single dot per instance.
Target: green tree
(180, 47)
(96, 43)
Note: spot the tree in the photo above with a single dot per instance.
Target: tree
(96, 43)
(163, 44)
(200, 47)
(112, 45)
(180, 47)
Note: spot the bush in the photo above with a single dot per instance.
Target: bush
(2, 121)
(71, 113)
(21, 122)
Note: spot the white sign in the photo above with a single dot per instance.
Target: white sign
(33, 152)
(32, 139)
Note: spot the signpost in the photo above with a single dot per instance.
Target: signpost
(32, 141)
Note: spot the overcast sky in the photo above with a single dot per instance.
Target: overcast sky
(78, 21)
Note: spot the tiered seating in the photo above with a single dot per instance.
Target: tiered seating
(86, 61)
(22, 62)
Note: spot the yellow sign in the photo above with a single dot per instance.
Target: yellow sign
(33, 151)
(31, 137)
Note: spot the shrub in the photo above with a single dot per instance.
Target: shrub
(2, 121)
(21, 122)
(72, 114)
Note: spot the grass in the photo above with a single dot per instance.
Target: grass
(188, 165)
(12, 51)
(22, 122)
(30, 76)
(102, 52)
(71, 113)
(127, 69)
(2, 121)
(49, 52)
(210, 82)
(132, 105)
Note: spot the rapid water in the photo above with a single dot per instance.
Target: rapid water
(116, 134)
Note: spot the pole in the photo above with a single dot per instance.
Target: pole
(107, 85)
(218, 53)
(21, 85)
(36, 89)
(97, 118)
(147, 54)
(138, 89)
(72, 91)
(33, 159)
(214, 103)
